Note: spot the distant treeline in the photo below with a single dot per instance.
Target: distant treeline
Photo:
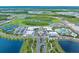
(60, 15)
(15, 12)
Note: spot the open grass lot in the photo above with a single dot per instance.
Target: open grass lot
(73, 20)
(34, 21)
(3, 17)
(69, 18)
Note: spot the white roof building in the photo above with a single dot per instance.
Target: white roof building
(48, 28)
(32, 28)
(28, 33)
(53, 34)
(45, 27)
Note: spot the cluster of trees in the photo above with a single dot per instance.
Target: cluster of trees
(60, 15)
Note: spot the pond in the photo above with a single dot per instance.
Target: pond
(10, 46)
(69, 46)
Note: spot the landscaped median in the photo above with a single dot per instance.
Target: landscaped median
(29, 46)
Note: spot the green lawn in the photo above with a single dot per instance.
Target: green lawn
(26, 47)
(35, 21)
(73, 20)
(3, 17)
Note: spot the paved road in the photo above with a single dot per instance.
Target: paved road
(6, 21)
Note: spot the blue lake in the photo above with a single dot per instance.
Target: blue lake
(69, 46)
(13, 46)
(10, 46)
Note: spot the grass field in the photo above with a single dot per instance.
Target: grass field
(34, 21)
(26, 47)
(3, 17)
(73, 20)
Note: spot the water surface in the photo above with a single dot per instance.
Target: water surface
(10, 46)
(69, 46)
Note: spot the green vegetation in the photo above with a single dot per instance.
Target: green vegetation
(29, 44)
(55, 20)
(26, 47)
(69, 18)
(11, 36)
(35, 21)
(72, 20)
(54, 47)
(3, 17)
(60, 15)
(14, 12)
(65, 10)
